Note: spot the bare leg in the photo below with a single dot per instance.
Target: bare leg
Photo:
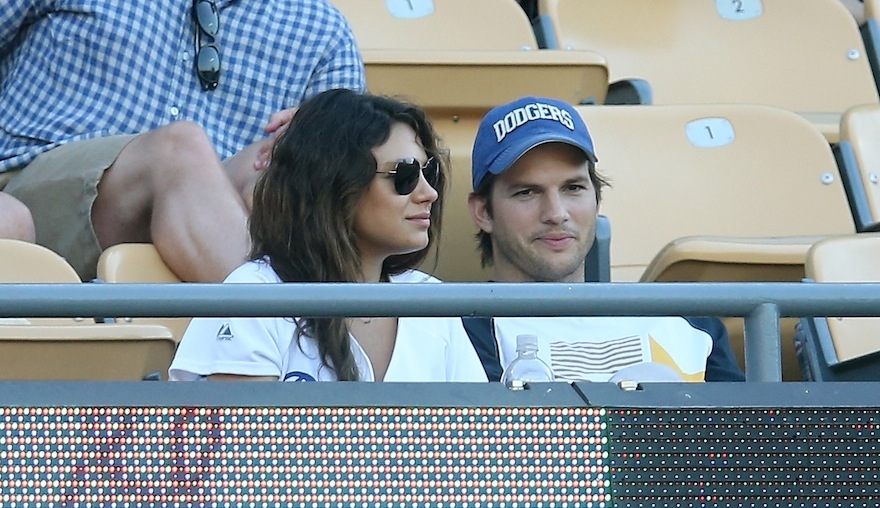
(243, 172)
(15, 219)
(169, 187)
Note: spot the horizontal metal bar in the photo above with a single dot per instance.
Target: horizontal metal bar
(446, 299)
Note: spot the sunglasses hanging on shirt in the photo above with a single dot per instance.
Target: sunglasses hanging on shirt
(207, 19)
(407, 172)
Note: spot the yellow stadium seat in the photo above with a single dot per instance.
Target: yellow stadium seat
(731, 259)
(442, 56)
(71, 349)
(858, 156)
(843, 349)
(715, 192)
(140, 263)
(88, 352)
(29, 263)
(806, 56)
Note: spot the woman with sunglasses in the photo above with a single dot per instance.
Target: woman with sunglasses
(353, 193)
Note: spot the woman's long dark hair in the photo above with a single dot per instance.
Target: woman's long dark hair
(305, 202)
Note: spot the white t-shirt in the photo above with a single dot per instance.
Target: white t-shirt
(426, 348)
(597, 348)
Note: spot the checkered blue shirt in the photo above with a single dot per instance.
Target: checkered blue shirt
(78, 69)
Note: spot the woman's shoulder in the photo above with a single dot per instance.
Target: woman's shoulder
(254, 272)
(413, 276)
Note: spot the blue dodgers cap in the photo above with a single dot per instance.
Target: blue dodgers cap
(509, 131)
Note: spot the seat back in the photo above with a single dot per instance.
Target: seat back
(29, 263)
(806, 56)
(746, 173)
(731, 259)
(453, 25)
(94, 352)
(851, 258)
(735, 259)
(721, 170)
(440, 56)
(140, 263)
(858, 157)
(870, 31)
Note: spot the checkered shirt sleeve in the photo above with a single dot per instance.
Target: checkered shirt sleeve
(78, 69)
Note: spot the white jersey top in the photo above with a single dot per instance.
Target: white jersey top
(426, 349)
(597, 348)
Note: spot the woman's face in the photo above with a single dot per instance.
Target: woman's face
(387, 223)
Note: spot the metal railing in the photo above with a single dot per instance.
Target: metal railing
(760, 304)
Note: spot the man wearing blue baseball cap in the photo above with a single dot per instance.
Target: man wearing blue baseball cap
(536, 200)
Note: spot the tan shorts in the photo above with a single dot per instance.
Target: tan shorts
(60, 187)
(5, 177)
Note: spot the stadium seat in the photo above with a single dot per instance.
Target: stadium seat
(715, 192)
(441, 56)
(29, 263)
(870, 30)
(88, 352)
(736, 171)
(730, 259)
(806, 56)
(842, 349)
(66, 348)
(858, 158)
(136, 263)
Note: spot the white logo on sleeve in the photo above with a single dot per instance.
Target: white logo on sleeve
(224, 333)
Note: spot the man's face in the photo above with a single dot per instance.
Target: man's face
(543, 216)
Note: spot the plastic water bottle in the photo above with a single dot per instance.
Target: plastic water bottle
(526, 367)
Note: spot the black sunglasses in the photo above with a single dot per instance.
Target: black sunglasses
(207, 18)
(407, 172)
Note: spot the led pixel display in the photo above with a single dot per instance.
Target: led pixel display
(303, 456)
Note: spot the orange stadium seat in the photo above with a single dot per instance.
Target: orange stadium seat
(137, 263)
(858, 157)
(842, 349)
(441, 56)
(806, 56)
(715, 193)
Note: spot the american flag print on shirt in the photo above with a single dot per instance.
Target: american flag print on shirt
(582, 360)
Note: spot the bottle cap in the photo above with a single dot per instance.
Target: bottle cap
(527, 342)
